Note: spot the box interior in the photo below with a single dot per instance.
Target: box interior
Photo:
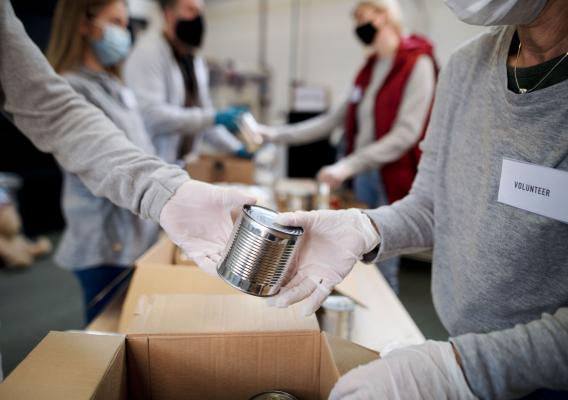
(231, 347)
(236, 344)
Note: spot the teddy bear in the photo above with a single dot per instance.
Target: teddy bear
(17, 251)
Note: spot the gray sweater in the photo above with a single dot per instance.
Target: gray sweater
(154, 75)
(500, 274)
(97, 232)
(85, 142)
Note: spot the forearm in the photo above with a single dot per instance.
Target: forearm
(314, 129)
(515, 362)
(221, 139)
(407, 226)
(164, 118)
(57, 120)
(389, 149)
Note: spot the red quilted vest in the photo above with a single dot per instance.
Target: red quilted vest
(397, 175)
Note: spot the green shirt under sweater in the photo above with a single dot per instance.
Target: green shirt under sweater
(530, 77)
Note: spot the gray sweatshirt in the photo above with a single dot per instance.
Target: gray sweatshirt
(97, 232)
(85, 142)
(499, 274)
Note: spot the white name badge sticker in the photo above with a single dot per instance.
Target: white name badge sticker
(534, 188)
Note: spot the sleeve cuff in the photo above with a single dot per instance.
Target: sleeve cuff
(161, 190)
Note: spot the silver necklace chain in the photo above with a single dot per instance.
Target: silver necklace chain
(523, 90)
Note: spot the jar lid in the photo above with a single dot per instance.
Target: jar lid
(338, 303)
(267, 218)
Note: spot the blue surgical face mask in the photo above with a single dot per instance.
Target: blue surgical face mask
(114, 45)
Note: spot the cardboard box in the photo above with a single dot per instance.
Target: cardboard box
(156, 273)
(232, 347)
(221, 168)
(107, 320)
(379, 317)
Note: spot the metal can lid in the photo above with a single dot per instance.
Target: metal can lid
(273, 395)
(338, 303)
(267, 218)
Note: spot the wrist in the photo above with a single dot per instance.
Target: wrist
(374, 253)
(371, 236)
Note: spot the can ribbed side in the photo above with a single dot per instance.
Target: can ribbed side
(258, 260)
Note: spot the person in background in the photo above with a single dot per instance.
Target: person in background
(171, 82)
(89, 40)
(490, 198)
(384, 117)
(44, 107)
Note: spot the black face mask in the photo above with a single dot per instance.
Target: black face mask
(366, 33)
(190, 31)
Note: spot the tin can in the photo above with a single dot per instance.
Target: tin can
(250, 131)
(258, 255)
(337, 317)
(274, 395)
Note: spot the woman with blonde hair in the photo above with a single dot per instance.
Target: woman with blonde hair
(89, 41)
(384, 117)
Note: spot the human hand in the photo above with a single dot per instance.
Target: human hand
(198, 219)
(332, 243)
(229, 118)
(426, 371)
(334, 175)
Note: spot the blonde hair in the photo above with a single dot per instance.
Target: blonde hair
(390, 7)
(66, 45)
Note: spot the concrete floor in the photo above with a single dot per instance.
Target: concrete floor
(45, 297)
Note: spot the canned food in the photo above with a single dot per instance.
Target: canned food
(249, 129)
(259, 252)
(337, 316)
(274, 395)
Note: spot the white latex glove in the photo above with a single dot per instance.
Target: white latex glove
(198, 219)
(334, 175)
(332, 242)
(426, 371)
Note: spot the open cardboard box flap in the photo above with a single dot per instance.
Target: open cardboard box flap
(379, 318)
(71, 365)
(231, 347)
(159, 314)
(156, 274)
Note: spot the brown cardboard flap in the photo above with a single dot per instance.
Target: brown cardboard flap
(193, 313)
(221, 168)
(338, 357)
(329, 374)
(154, 278)
(69, 365)
(138, 361)
(107, 320)
(348, 355)
(162, 252)
(114, 384)
(235, 366)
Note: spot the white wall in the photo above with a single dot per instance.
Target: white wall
(328, 53)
